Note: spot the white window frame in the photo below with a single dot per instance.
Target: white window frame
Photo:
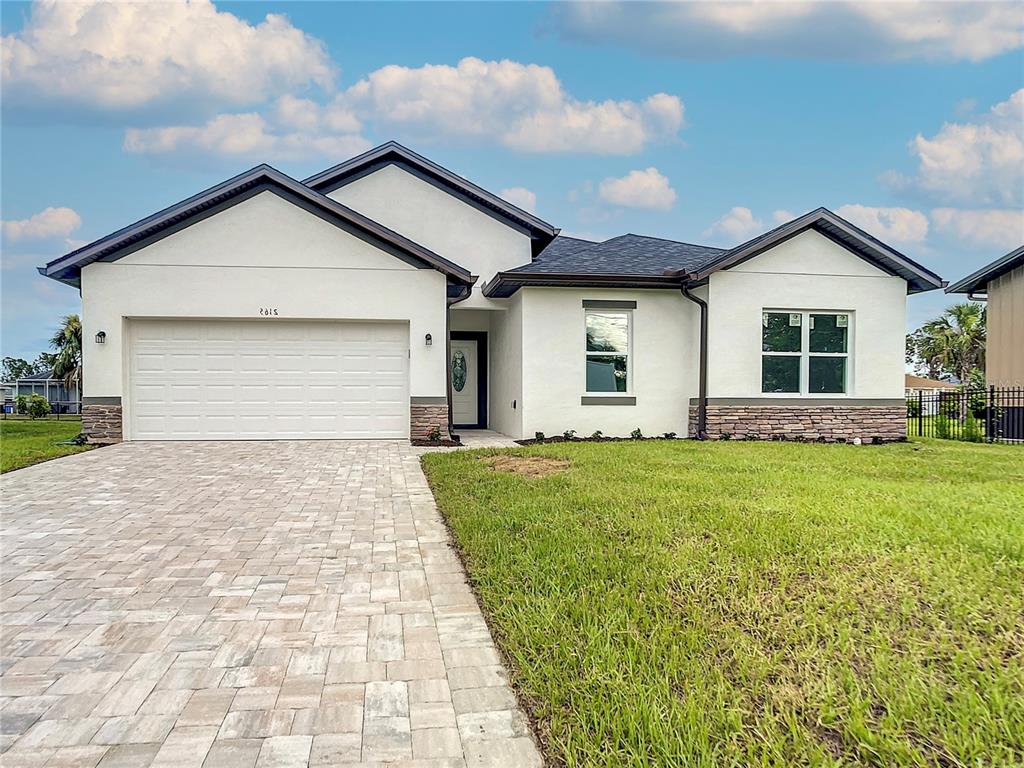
(805, 354)
(628, 353)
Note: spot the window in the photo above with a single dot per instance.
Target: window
(804, 352)
(607, 351)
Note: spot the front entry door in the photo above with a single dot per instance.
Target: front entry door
(467, 368)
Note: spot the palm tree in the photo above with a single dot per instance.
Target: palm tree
(67, 341)
(954, 342)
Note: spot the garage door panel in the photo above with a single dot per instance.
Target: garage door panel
(194, 380)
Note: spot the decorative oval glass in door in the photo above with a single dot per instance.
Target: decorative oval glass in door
(458, 370)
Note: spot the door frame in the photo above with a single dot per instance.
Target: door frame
(480, 337)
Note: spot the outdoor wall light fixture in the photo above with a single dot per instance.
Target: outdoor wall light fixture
(101, 337)
(428, 339)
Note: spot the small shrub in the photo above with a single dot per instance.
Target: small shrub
(598, 434)
(538, 435)
(569, 434)
(636, 434)
(434, 434)
(973, 431)
(913, 408)
(21, 404)
(941, 424)
(669, 436)
(36, 406)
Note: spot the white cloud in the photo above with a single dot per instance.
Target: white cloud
(522, 106)
(781, 216)
(127, 56)
(992, 228)
(735, 227)
(861, 30)
(977, 163)
(639, 189)
(521, 197)
(888, 224)
(293, 129)
(48, 223)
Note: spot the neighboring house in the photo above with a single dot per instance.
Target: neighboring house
(915, 385)
(387, 297)
(926, 391)
(1001, 284)
(62, 399)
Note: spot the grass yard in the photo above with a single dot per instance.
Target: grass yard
(755, 604)
(24, 442)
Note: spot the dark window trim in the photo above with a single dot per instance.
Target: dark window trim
(480, 337)
(608, 304)
(607, 400)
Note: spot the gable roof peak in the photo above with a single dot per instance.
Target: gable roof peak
(394, 153)
(263, 177)
(841, 231)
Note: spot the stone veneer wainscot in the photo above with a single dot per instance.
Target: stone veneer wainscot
(423, 418)
(825, 423)
(101, 422)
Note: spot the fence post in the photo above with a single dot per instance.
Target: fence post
(990, 426)
(920, 413)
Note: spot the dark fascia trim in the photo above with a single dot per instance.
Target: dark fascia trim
(609, 400)
(608, 304)
(978, 281)
(804, 402)
(428, 400)
(101, 400)
(392, 152)
(504, 284)
(872, 250)
(67, 268)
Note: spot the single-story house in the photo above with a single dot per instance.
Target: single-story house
(62, 398)
(915, 385)
(1001, 284)
(388, 297)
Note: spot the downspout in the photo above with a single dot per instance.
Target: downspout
(702, 393)
(465, 292)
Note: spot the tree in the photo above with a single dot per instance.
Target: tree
(43, 364)
(952, 344)
(14, 368)
(67, 341)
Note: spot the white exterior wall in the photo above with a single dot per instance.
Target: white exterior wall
(665, 346)
(505, 348)
(263, 252)
(439, 221)
(807, 272)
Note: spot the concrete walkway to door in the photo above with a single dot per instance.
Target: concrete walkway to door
(243, 604)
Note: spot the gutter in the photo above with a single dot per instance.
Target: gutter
(702, 371)
(465, 291)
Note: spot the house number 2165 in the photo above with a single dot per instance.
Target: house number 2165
(268, 311)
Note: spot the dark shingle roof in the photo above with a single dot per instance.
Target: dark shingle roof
(623, 255)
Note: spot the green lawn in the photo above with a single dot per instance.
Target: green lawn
(755, 604)
(24, 442)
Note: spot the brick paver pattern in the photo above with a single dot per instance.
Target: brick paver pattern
(229, 605)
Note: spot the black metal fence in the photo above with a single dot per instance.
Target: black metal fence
(67, 409)
(982, 415)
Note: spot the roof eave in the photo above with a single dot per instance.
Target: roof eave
(919, 279)
(504, 284)
(67, 268)
(978, 281)
(541, 232)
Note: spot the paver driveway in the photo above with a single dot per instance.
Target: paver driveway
(240, 604)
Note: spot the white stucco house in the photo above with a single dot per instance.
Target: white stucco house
(387, 297)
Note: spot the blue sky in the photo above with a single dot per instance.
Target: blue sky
(690, 121)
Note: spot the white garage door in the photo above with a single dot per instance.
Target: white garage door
(268, 379)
